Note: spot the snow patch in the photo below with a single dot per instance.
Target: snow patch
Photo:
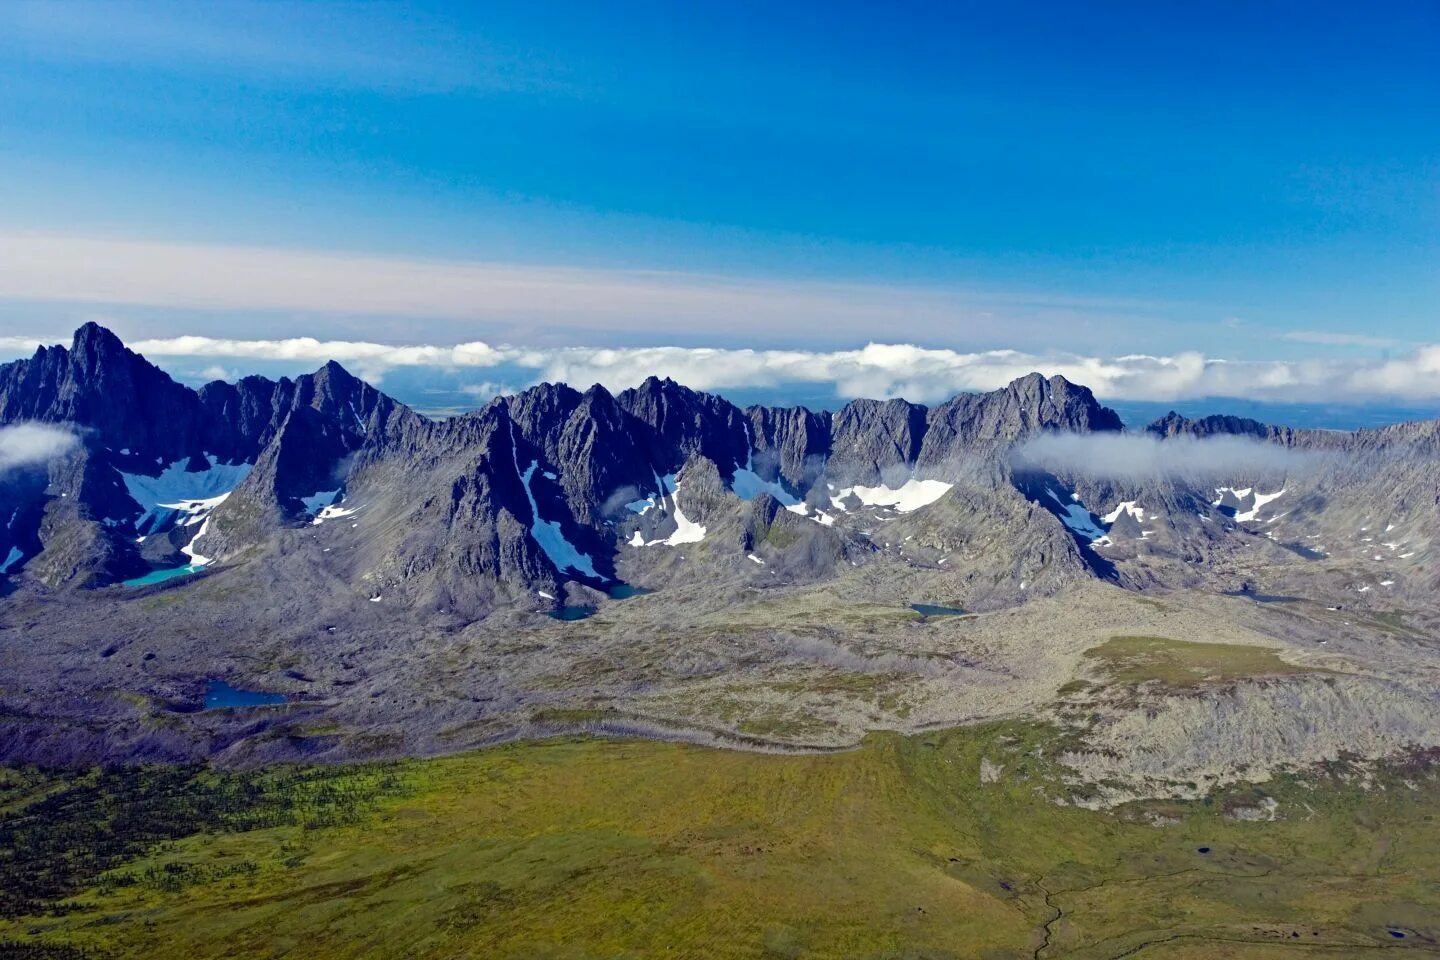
(161, 497)
(820, 517)
(912, 495)
(320, 500)
(179, 495)
(686, 530)
(551, 537)
(1260, 499)
(16, 555)
(665, 485)
(1128, 506)
(747, 484)
(333, 513)
(547, 533)
(196, 560)
(755, 559)
(1078, 519)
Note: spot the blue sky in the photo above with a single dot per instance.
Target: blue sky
(1252, 181)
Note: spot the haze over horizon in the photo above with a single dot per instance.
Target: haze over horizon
(1168, 206)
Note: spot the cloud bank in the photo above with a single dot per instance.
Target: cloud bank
(877, 370)
(27, 444)
(1128, 456)
(916, 373)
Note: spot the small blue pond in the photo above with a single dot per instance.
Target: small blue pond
(219, 695)
(1261, 597)
(931, 610)
(624, 591)
(571, 613)
(160, 576)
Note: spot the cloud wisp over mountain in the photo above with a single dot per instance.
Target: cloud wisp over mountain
(1129, 456)
(27, 444)
(916, 373)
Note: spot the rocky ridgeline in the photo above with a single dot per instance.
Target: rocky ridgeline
(545, 492)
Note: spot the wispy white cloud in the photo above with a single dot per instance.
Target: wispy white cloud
(876, 370)
(24, 444)
(1130, 456)
(270, 286)
(216, 372)
(1329, 338)
(488, 389)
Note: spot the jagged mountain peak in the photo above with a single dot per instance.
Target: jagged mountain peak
(93, 340)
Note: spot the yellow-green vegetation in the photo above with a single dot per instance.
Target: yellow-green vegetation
(943, 845)
(1183, 663)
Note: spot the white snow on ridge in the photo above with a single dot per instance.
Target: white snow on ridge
(333, 513)
(547, 533)
(1245, 516)
(1127, 506)
(1260, 500)
(821, 517)
(196, 560)
(195, 511)
(913, 495)
(665, 485)
(686, 530)
(551, 538)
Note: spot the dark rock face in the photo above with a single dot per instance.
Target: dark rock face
(870, 438)
(1175, 425)
(792, 442)
(116, 394)
(1028, 405)
(682, 422)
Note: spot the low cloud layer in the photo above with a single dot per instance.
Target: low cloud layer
(877, 370)
(29, 444)
(1127, 456)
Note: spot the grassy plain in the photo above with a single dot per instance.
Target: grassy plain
(1184, 663)
(582, 848)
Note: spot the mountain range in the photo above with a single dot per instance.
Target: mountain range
(554, 498)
